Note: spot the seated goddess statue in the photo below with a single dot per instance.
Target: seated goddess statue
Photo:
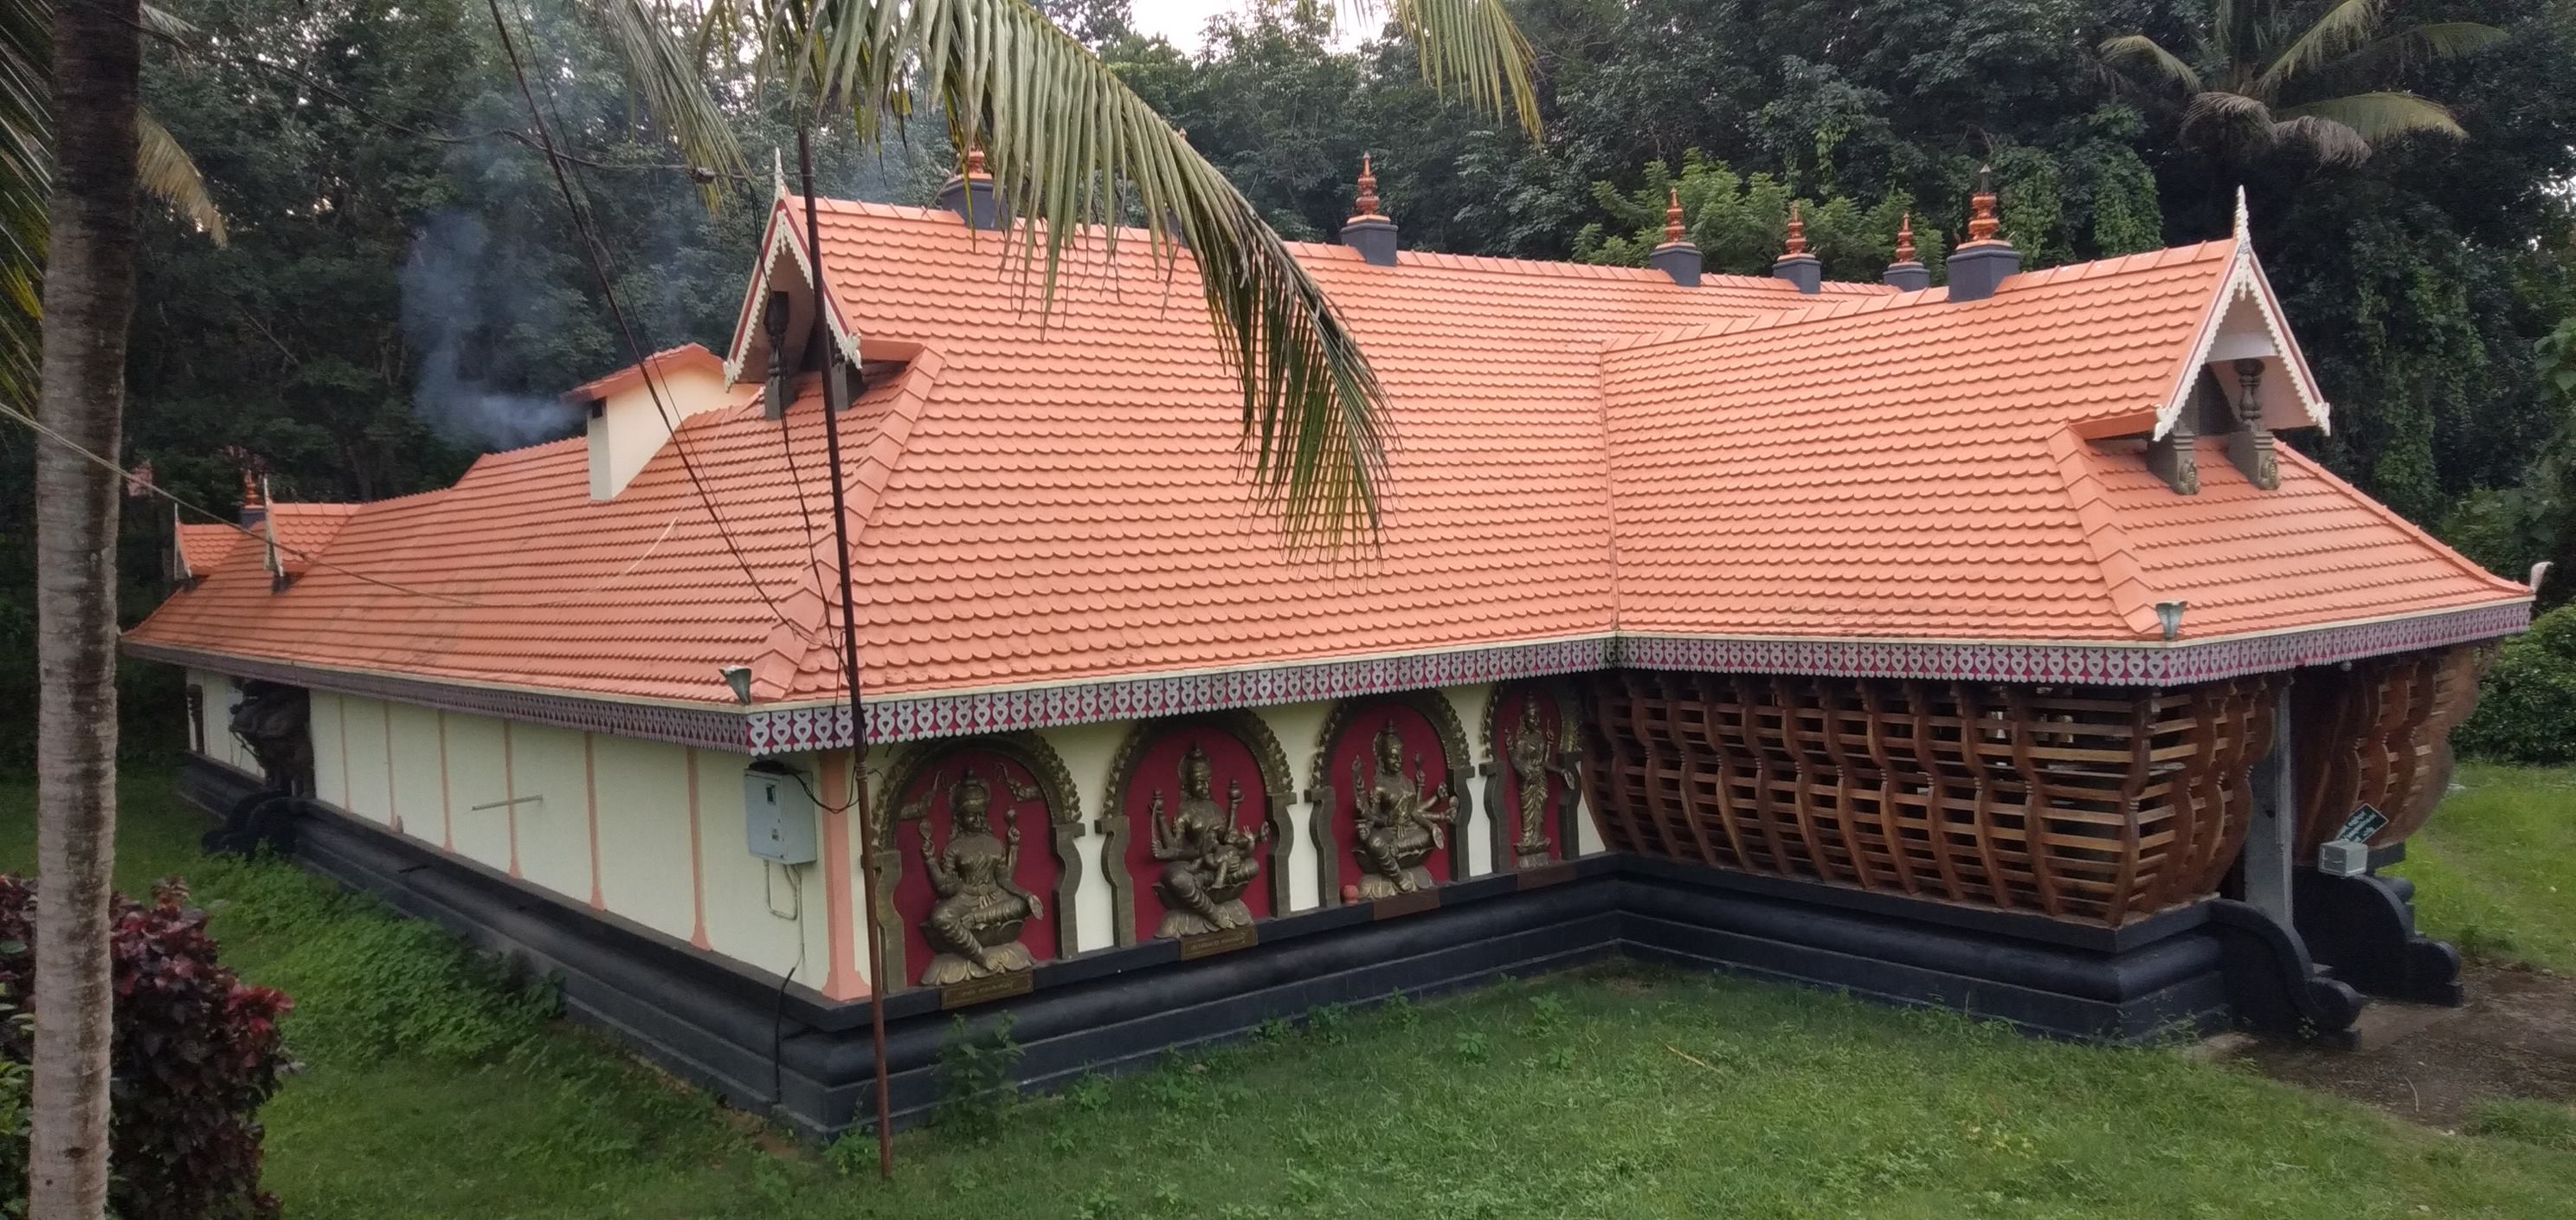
(974, 927)
(1208, 860)
(1396, 825)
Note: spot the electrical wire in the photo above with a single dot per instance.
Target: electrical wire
(595, 253)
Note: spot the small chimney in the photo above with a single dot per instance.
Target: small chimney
(1366, 231)
(1907, 273)
(1980, 264)
(1677, 257)
(1797, 266)
(971, 194)
(632, 413)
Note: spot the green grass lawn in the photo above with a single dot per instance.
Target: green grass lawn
(2495, 870)
(434, 1089)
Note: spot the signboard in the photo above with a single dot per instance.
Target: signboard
(2364, 822)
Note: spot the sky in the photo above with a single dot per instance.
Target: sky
(1180, 21)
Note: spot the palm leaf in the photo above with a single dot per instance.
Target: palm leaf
(2375, 117)
(26, 185)
(2333, 142)
(2432, 40)
(170, 175)
(1472, 45)
(1056, 125)
(2345, 26)
(668, 72)
(2147, 52)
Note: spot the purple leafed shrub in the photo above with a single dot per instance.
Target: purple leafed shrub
(195, 1053)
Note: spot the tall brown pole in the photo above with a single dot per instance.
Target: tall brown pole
(821, 344)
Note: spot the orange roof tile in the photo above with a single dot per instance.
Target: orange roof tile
(202, 548)
(1580, 452)
(661, 362)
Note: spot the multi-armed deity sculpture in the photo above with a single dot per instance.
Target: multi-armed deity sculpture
(1396, 825)
(1535, 757)
(1208, 858)
(974, 926)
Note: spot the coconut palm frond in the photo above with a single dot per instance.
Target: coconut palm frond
(169, 174)
(2378, 117)
(668, 72)
(2147, 52)
(2334, 143)
(1471, 45)
(1056, 123)
(26, 187)
(2229, 110)
(166, 24)
(2432, 40)
(2345, 26)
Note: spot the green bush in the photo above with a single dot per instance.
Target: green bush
(2527, 705)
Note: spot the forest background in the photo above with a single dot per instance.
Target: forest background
(401, 289)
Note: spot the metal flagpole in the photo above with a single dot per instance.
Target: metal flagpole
(821, 344)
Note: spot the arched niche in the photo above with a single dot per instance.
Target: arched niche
(1024, 785)
(1533, 766)
(1434, 758)
(1248, 780)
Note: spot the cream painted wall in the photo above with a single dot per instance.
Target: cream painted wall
(644, 832)
(553, 828)
(419, 788)
(771, 916)
(330, 776)
(221, 695)
(363, 762)
(475, 776)
(1475, 830)
(1088, 751)
(1298, 726)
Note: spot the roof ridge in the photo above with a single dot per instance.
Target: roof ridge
(2115, 561)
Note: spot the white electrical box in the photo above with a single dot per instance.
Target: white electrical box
(777, 815)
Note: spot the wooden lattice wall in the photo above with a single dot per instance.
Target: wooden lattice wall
(2086, 805)
(2379, 733)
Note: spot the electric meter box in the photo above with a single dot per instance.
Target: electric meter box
(778, 817)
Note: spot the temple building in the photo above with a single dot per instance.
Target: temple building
(1976, 645)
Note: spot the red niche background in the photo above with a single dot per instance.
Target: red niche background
(1160, 767)
(1506, 726)
(1037, 873)
(1355, 741)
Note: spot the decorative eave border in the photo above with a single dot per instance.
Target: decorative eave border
(827, 726)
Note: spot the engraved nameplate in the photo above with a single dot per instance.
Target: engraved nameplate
(1226, 940)
(1557, 873)
(1407, 904)
(990, 987)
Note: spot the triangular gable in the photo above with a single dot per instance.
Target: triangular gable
(2245, 320)
(780, 236)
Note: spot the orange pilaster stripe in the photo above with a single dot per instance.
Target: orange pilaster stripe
(697, 863)
(510, 797)
(842, 981)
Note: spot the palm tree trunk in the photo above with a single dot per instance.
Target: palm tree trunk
(89, 303)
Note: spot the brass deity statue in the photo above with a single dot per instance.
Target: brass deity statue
(974, 927)
(1208, 859)
(1533, 755)
(1396, 824)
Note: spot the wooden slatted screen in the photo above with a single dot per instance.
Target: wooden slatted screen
(2085, 805)
(2379, 733)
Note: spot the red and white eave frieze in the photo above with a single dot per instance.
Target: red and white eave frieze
(796, 729)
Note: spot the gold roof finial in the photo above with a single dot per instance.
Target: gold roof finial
(1673, 218)
(1368, 188)
(975, 162)
(1905, 239)
(1981, 207)
(1797, 231)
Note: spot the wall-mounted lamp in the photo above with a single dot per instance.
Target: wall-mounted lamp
(2170, 614)
(739, 678)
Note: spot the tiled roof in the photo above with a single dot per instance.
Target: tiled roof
(1579, 451)
(304, 532)
(662, 362)
(202, 547)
